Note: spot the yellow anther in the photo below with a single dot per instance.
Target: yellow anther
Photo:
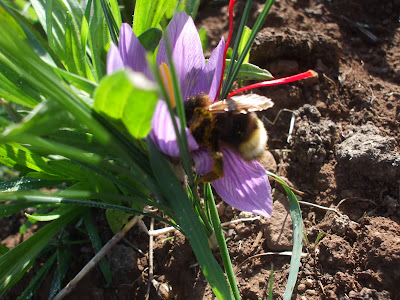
(167, 81)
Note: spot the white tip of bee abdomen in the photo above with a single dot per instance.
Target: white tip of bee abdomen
(256, 143)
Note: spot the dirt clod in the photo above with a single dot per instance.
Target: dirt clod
(368, 153)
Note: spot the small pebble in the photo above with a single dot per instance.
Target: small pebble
(243, 230)
(301, 288)
(311, 293)
(221, 208)
(229, 211)
(309, 282)
(352, 294)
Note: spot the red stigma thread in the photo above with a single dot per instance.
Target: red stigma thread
(297, 77)
(231, 4)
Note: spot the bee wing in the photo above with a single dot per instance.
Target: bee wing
(241, 104)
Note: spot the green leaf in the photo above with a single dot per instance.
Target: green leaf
(15, 262)
(150, 39)
(233, 72)
(127, 97)
(44, 119)
(38, 279)
(186, 217)
(111, 23)
(52, 17)
(63, 262)
(97, 245)
(203, 38)
(208, 196)
(191, 7)
(148, 14)
(295, 261)
(12, 113)
(10, 209)
(114, 6)
(19, 56)
(243, 40)
(16, 89)
(3, 249)
(117, 219)
(43, 218)
(97, 37)
(78, 139)
(251, 72)
(16, 156)
(26, 183)
(74, 54)
(39, 45)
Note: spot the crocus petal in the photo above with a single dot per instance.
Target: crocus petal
(187, 52)
(245, 185)
(209, 80)
(114, 60)
(132, 52)
(163, 133)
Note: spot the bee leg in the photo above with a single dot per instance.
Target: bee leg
(218, 168)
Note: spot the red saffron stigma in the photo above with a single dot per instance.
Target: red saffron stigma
(231, 4)
(304, 75)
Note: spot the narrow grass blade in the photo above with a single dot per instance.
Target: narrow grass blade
(74, 54)
(15, 262)
(34, 285)
(256, 28)
(97, 245)
(111, 23)
(190, 223)
(208, 196)
(63, 262)
(235, 51)
(191, 7)
(36, 198)
(297, 219)
(271, 284)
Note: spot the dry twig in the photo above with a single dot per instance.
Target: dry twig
(97, 258)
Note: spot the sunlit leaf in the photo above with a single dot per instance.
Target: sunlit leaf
(127, 97)
(203, 38)
(74, 54)
(52, 17)
(148, 14)
(42, 218)
(243, 40)
(251, 72)
(16, 156)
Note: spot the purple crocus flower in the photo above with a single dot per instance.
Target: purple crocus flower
(245, 185)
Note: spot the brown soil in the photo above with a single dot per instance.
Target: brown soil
(343, 154)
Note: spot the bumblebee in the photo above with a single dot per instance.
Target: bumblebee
(230, 123)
